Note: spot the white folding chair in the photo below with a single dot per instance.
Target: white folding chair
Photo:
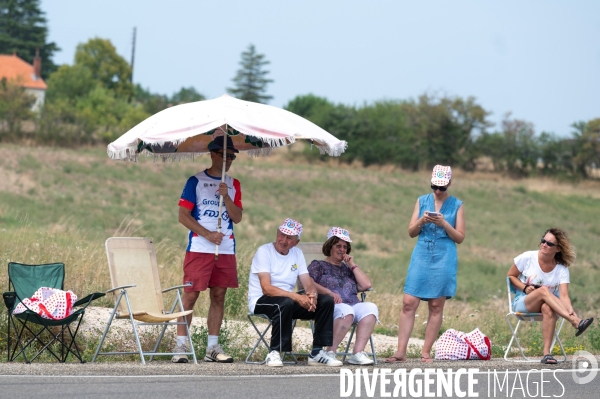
(531, 317)
(312, 251)
(134, 274)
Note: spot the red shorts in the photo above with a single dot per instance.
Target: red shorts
(203, 271)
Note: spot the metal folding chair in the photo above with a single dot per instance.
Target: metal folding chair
(134, 275)
(530, 317)
(261, 338)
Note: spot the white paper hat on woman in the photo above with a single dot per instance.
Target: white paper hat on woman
(340, 233)
(441, 175)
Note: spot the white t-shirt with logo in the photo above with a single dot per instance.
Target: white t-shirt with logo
(284, 270)
(531, 273)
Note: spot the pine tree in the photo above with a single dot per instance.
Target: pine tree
(23, 29)
(250, 80)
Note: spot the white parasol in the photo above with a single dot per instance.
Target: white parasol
(186, 130)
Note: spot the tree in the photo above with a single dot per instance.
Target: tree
(23, 29)
(251, 81)
(15, 107)
(587, 146)
(186, 95)
(100, 57)
(70, 83)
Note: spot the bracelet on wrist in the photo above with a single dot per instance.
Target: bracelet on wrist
(353, 267)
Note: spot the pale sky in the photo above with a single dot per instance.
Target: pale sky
(539, 60)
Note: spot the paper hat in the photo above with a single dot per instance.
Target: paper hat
(342, 234)
(441, 175)
(291, 227)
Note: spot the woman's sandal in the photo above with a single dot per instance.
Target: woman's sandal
(548, 359)
(583, 325)
(395, 359)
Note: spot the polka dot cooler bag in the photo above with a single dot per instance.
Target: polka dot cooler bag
(457, 345)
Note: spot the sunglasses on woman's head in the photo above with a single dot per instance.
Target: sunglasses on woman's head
(441, 188)
(548, 243)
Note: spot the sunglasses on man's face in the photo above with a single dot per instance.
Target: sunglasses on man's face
(441, 188)
(548, 243)
(229, 156)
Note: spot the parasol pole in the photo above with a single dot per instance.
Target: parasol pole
(220, 196)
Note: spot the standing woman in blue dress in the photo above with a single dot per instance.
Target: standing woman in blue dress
(438, 221)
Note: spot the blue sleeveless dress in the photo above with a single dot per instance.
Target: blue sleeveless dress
(434, 261)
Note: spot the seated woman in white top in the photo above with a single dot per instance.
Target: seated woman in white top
(542, 280)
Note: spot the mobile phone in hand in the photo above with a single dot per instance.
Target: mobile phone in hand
(433, 214)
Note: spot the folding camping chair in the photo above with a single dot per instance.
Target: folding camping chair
(23, 281)
(531, 317)
(134, 275)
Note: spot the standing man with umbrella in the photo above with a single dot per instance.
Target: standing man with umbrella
(210, 255)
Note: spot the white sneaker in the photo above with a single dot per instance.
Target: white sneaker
(360, 358)
(273, 359)
(180, 358)
(322, 359)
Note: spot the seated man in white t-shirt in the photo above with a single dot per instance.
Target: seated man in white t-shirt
(275, 268)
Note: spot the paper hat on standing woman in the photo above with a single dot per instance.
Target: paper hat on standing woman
(441, 175)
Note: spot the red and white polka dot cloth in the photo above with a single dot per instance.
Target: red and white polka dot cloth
(50, 303)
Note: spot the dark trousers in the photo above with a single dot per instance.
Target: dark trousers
(282, 311)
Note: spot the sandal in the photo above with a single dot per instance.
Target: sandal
(426, 359)
(548, 359)
(395, 359)
(583, 325)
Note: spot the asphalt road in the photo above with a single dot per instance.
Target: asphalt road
(495, 378)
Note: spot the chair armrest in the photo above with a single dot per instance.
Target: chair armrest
(363, 294)
(120, 288)
(89, 298)
(177, 287)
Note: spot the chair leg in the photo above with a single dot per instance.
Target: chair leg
(134, 327)
(352, 330)
(373, 349)
(108, 324)
(260, 339)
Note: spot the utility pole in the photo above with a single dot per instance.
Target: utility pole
(133, 52)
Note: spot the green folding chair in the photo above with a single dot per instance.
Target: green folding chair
(28, 328)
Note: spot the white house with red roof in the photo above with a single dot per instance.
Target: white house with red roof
(26, 75)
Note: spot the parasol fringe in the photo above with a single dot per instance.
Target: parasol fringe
(130, 153)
